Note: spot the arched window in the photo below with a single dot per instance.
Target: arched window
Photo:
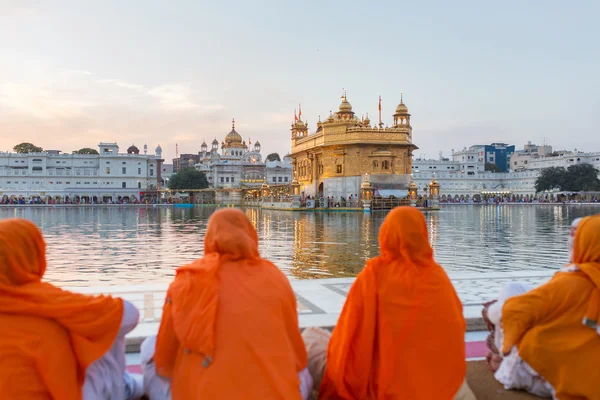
(385, 165)
(375, 164)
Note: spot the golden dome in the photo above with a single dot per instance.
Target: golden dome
(233, 136)
(412, 185)
(401, 109)
(345, 106)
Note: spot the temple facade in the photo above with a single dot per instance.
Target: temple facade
(345, 150)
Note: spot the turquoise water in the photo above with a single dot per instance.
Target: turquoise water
(92, 246)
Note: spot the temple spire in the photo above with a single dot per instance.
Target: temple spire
(299, 111)
(233, 123)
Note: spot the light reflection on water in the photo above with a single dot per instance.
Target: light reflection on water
(135, 245)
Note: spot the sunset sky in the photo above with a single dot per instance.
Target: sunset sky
(75, 73)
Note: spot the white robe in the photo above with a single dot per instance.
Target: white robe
(107, 378)
(514, 373)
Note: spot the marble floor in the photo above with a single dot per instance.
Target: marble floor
(320, 301)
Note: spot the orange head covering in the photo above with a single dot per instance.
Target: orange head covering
(586, 256)
(403, 237)
(91, 322)
(230, 236)
(401, 332)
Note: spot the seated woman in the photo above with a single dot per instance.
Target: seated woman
(401, 334)
(229, 327)
(511, 370)
(53, 343)
(554, 328)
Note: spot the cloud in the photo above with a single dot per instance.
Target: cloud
(173, 96)
(21, 8)
(122, 84)
(40, 102)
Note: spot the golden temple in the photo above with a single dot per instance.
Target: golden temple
(344, 150)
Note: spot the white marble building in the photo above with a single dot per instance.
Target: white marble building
(465, 175)
(240, 164)
(108, 175)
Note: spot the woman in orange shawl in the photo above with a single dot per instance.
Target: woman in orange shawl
(555, 326)
(229, 327)
(401, 332)
(49, 336)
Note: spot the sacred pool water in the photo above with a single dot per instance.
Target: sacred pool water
(99, 246)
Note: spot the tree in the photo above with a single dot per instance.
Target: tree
(86, 150)
(188, 178)
(273, 157)
(576, 178)
(550, 178)
(492, 167)
(25, 148)
(581, 177)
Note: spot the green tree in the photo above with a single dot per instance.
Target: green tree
(25, 147)
(188, 178)
(492, 167)
(273, 157)
(551, 178)
(86, 150)
(581, 177)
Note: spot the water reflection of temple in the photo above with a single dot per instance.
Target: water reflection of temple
(333, 244)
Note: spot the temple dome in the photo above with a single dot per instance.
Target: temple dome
(233, 137)
(133, 150)
(345, 106)
(401, 109)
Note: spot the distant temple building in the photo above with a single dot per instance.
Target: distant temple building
(344, 149)
(238, 165)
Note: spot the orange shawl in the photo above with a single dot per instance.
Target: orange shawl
(91, 323)
(401, 332)
(229, 328)
(546, 323)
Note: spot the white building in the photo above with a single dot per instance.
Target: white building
(565, 159)
(465, 176)
(279, 172)
(471, 160)
(109, 175)
(240, 165)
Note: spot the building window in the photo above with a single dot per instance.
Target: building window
(285, 179)
(274, 179)
(107, 170)
(386, 165)
(151, 172)
(280, 179)
(227, 179)
(67, 183)
(139, 171)
(139, 185)
(124, 163)
(124, 185)
(232, 179)
(124, 170)
(338, 169)
(375, 164)
(222, 179)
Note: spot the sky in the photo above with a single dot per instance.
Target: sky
(77, 73)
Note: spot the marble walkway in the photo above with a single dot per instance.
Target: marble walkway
(320, 301)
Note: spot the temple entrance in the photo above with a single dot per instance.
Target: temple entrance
(320, 190)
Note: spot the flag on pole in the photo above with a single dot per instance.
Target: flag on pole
(379, 105)
(295, 116)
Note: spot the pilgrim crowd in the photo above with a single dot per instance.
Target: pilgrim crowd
(229, 327)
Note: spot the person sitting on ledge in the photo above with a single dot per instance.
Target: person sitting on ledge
(401, 333)
(229, 328)
(511, 370)
(554, 328)
(55, 344)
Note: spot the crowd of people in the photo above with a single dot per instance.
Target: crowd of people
(229, 327)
